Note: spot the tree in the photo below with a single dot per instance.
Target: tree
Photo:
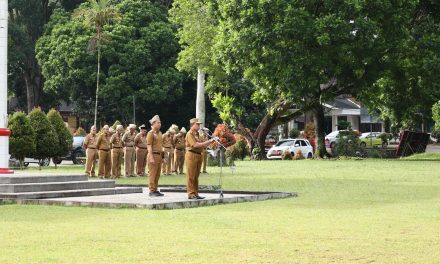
(65, 139)
(46, 139)
(99, 13)
(137, 62)
(436, 117)
(308, 52)
(22, 139)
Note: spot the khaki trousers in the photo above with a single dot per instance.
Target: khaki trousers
(193, 166)
(179, 160)
(129, 158)
(141, 161)
(104, 163)
(154, 171)
(169, 156)
(90, 162)
(204, 159)
(117, 154)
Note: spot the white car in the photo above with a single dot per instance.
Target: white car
(293, 145)
(330, 139)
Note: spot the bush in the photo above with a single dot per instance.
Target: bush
(286, 155)
(64, 137)
(309, 133)
(294, 133)
(344, 125)
(257, 153)
(46, 139)
(298, 155)
(237, 151)
(347, 144)
(22, 139)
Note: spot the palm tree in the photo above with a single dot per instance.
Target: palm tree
(98, 14)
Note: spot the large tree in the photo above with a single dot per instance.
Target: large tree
(137, 62)
(309, 51)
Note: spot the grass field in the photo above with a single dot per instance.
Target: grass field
(348, 211)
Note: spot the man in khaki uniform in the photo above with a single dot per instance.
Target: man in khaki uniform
(104, 161)
(168, 150)
(193, 159)
(129, 152)
(204, 137)
(179, 151)
(155, 155)
(89, 145)
(140, 142)
(117, 152)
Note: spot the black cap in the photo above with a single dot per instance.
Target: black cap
(142, 127)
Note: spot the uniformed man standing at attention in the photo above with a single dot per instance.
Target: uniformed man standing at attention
(155, 155)
(117, 152)
(179, 151)
(193, 158)
(140, 142)
(204, 137)
(89, 145)
(168, 150)
(104, 161)
(129, 152)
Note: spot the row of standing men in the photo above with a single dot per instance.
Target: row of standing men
(159, 152)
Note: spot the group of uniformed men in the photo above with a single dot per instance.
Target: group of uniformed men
(164, 153)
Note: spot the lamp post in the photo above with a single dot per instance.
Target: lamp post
(4, 131)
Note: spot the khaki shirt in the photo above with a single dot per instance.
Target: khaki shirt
(179, 142)
(192, 137)
(90, 141)
(140, 141)
(128, 139)
(154, 138)
(167, 141)
(103, 142)
(116, 140)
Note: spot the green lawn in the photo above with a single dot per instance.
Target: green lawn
(383, 211)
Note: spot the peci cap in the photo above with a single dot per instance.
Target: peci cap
(155, 118)
(142, 127)
(183, 130)
(119, 128)
(132, 126)
(194, 120)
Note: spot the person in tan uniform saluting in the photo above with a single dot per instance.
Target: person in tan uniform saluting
(179, 151)
(89, 145)
(168, 150)
(129, 153)
(155, 155)
(117, 152)
(104, 161)
(204, 137)
(193, 158)
(140, 142)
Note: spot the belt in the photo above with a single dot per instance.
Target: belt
(166, 147)
(180, 149)
(117, 147)
(192, 151)
(157, 153)
(91, 148)
(129, 146)
(142, 148)
(104, 149)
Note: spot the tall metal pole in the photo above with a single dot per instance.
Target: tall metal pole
(4, 131)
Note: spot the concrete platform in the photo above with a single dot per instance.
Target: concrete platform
(175, 198)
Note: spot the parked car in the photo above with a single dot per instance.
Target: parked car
(76, 154)
(292, 145)
(372, 139)
(13, 162)
(330, 139)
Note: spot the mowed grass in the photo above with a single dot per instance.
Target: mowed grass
(348, 211)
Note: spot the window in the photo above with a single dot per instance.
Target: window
(303, 143)
(287, 143)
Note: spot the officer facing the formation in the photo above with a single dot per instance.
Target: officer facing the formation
(104, 161)
(117, 152)
(179, 151)
(168, 150)
(193, 158)
(155, 155)
(129, 152)
(89, 145)
(140, 142)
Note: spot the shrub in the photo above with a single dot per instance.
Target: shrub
(294, 133)
(63, 134)
(257, 153)
(298, 155)
(347, 144)
(309, 133)
(344, 125)
(286, 155)
(22, 139)
(46, 139)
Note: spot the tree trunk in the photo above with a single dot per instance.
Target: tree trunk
(97, 85)
(34, 87)
(321, 151)
(200, 101)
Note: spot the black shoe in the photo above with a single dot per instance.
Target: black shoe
(200, 197)
(155, 194)
(192, 198)
(205, 172)
(160, 194)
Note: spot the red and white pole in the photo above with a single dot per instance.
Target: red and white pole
(4, 131)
